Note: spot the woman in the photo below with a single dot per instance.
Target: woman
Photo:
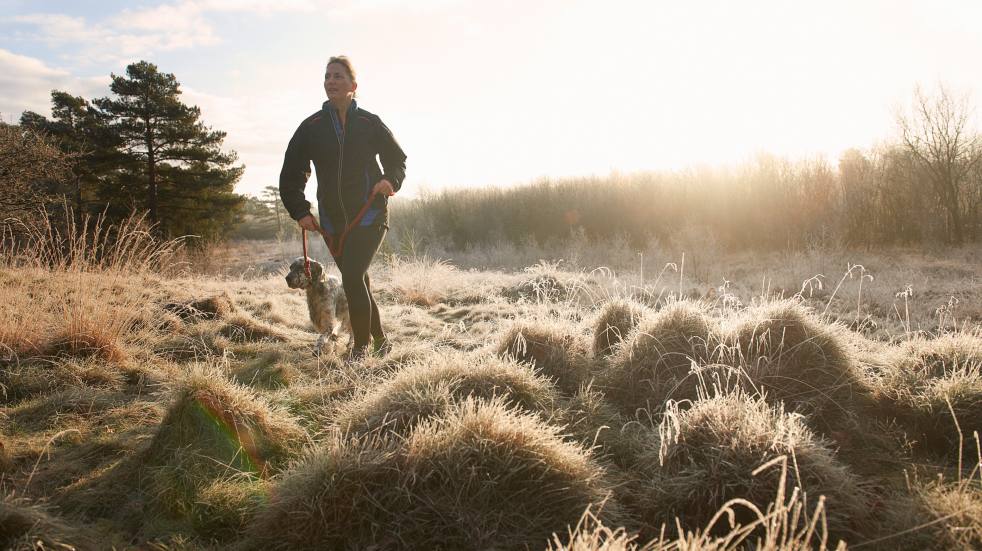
(343, 140)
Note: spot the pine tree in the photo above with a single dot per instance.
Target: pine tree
(180, 173)
(82, 132)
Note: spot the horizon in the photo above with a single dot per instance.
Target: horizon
(586, 91)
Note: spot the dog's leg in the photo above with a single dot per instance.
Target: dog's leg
(321, 340)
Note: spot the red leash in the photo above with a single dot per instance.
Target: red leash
(335, 246)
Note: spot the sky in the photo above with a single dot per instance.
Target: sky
(507, 92)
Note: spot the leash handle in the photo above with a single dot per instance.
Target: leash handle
(335, 246)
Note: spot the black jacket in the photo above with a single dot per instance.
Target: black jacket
(345, 161)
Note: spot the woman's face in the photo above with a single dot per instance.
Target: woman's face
(338, 84)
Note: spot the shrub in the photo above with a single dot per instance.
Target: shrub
(551, 349)
(480, 476)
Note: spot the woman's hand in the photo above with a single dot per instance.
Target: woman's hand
(384, 187)
(308, 223)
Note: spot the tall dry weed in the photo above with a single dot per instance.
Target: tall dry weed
(76, 288)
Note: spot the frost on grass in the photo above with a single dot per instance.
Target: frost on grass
(710, 451)
(214, 431)
(933, 387)
(428, 388)
(793, 357)
(551, 348)
(658, 357)
(479, 476)
(614, 323)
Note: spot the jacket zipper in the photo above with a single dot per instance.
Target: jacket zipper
(341, 141)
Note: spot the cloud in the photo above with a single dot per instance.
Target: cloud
(144, 31)
(27, 83)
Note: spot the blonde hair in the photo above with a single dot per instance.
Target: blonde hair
(343, 60)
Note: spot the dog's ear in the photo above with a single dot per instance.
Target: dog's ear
(316, 270)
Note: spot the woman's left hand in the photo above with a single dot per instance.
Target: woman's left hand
(384, 187)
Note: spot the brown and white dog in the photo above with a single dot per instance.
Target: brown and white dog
(326, 301)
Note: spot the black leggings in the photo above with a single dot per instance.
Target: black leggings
(359, 249)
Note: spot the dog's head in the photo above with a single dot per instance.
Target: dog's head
(297, 278)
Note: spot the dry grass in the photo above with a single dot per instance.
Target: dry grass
(957, 512)
(710, 452)
(245, 328)
(214, 432)
(616, 320)
(218, 306)
(551, 348)
(656, 360)
(792, 356)
(26, 527)
(481, 475)
(445, 444)
(934, 388)
(429, 388)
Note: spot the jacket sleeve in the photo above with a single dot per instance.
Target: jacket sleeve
(392, 157)
(294, 175)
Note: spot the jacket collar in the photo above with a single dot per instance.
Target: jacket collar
(328, 106)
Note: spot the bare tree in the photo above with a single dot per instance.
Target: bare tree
(28, 162)
(938, 134)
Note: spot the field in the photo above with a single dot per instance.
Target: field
(676, 399)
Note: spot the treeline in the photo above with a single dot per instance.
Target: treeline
(925, 189)
(140, 151)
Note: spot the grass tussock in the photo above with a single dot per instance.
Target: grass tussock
(208, 308)
(653, 364)
(214, 430)
(614, 323)
(269, 370)
(933, 387)
(551, 348)
(245, 328)
(26, 527)
(479, 476)
(710, 451)
(598, 426)
(428, 388)
(956, 509)
(30, 379)
(792, 356)
(223, 509)
(70, 315)
(546, 282)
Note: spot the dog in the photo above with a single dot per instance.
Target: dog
(326, 301)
